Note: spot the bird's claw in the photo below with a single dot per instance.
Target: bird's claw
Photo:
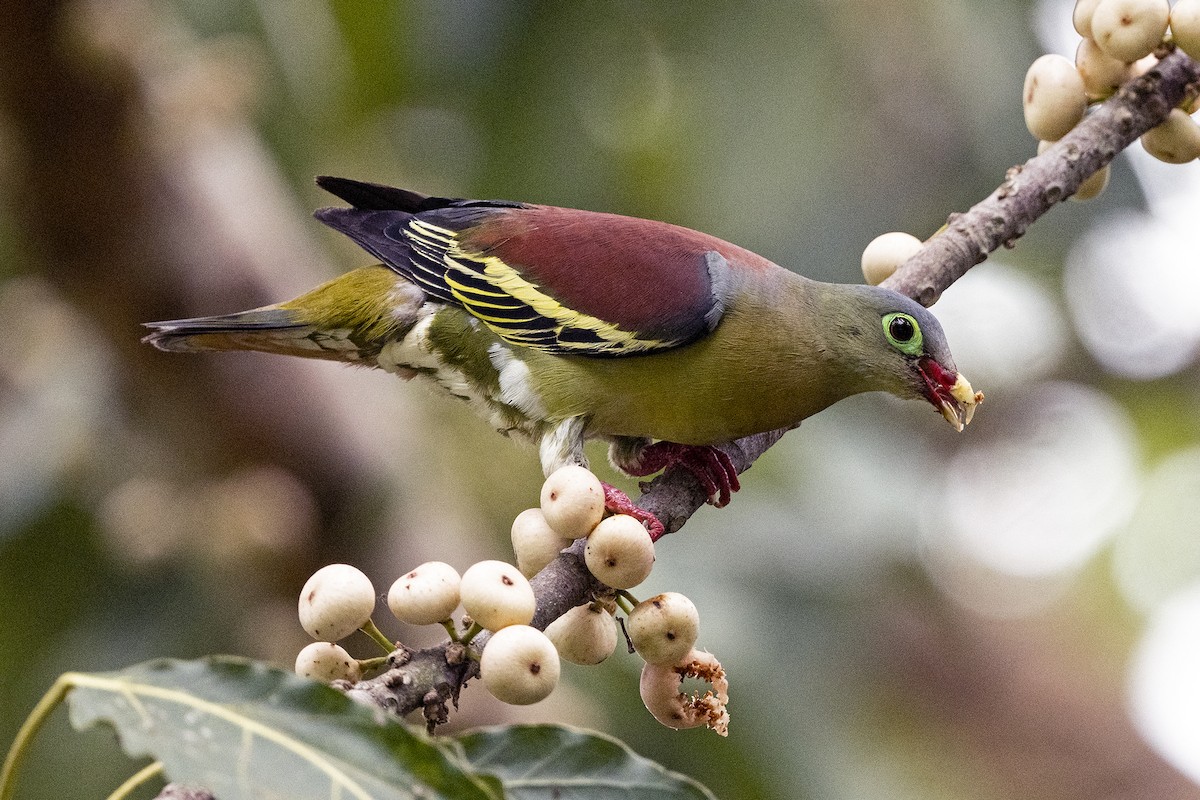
(712, 467)
(618, 502)
(715, 471)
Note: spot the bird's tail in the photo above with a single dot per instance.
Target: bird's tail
(347, 319)
(270, 330)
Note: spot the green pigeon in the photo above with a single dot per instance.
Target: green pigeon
(561, 325)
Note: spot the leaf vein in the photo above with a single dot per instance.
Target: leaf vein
(250, 727)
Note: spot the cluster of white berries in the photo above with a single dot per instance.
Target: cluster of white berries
(1119, 41)
(520, 664)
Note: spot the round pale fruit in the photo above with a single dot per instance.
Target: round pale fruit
(1101, 73)
(619, 552)
(1054, 98)
(335, 602)
(572, 501)
(586, 634)
(885, 253)
(426, 595)
(496, 595)
(1130, 29)
(1081, 17)
(326, 661)
(519, 665)
(1176, 141)
(664, 628)
(535, 543)
(660, 689)
(1185, 26)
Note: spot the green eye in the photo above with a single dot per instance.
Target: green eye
(903, 332)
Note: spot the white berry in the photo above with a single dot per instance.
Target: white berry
(885, 253)
(1093, 186)
(664, 628)
(1054, 98)
(1176, 141)
(335, 602)
(619, 552)
(519, 665)
(1143, 65)
(496, 595)
(325, 661)
(1101, 73)
(1081, 17)
(586, 634)
(572, 501)
(534, 542)
(1130, 29)
(1185, 26)
(426, 595)
(660, 690)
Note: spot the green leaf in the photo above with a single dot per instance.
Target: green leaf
(245, 731)
(553, 761)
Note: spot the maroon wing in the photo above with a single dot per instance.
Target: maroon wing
(556, 279)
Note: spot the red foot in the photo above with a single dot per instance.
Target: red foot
(618, 502)
(710, 465)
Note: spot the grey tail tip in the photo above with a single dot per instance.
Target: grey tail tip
(166, 336)
(189, 335)
(177, 335)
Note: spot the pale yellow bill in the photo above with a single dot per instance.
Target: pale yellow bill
(959, 410)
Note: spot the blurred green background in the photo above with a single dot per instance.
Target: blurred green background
(1009, 613)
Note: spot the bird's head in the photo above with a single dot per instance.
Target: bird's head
(904, 351)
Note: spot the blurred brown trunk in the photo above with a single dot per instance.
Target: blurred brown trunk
(106, 222)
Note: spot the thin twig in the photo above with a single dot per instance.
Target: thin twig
(1033, 188)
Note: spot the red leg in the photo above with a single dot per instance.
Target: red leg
(618, 502)
(711, 466)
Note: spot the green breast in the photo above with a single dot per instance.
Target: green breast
(764, 367)
(768, 365)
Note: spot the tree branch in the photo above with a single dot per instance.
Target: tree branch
(1033, 188)
(1028, 191)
